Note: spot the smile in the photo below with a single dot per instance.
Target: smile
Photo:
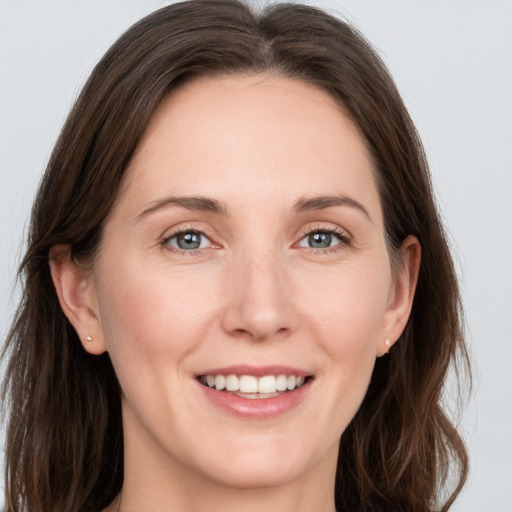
(252, 387)
(255, 393)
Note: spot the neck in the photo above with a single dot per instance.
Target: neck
(285, 498)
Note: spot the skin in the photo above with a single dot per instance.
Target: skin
(256, 292)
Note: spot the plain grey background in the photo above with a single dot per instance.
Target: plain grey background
(452, 61)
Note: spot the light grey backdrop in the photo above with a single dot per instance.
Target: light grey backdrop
(452, 61)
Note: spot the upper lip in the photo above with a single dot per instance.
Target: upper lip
(256, 371)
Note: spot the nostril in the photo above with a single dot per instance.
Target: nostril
(258, 310)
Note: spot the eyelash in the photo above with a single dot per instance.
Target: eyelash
(340, 234)
(193, 252)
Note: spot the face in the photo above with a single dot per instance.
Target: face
(247, 250)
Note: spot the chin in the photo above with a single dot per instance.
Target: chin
(266, 463)
(241, 475)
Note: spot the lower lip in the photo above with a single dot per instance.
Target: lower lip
(254, 409)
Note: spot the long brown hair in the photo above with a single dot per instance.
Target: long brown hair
(64, 438)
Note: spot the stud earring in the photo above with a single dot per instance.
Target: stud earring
(89, 338)
(388, 346)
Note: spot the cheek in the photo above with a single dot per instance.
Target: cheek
(344, 318)
(348, 309)
(153, 313)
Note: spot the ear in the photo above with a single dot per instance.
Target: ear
(77, 297)
(401, 294)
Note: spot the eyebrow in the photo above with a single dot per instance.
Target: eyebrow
(200, 203)
(207, 204)
(321, 202)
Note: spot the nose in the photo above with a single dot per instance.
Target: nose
(259, 299)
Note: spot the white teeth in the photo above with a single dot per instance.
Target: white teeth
(248, 384)
(282, 383)
(256, 396)
(220, 382)
(267, 384)
(232, 383)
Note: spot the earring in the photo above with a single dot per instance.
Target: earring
(89, 338)
(388, 346)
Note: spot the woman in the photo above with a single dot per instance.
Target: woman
(235, 228)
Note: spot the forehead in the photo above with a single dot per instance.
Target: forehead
(254, 135)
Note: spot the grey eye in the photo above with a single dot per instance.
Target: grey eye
(320, 240)
(189, 240)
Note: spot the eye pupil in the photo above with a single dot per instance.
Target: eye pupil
(190, 240)
(319, 240)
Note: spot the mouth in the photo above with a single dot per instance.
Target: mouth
(254, 387)
(256, 392)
